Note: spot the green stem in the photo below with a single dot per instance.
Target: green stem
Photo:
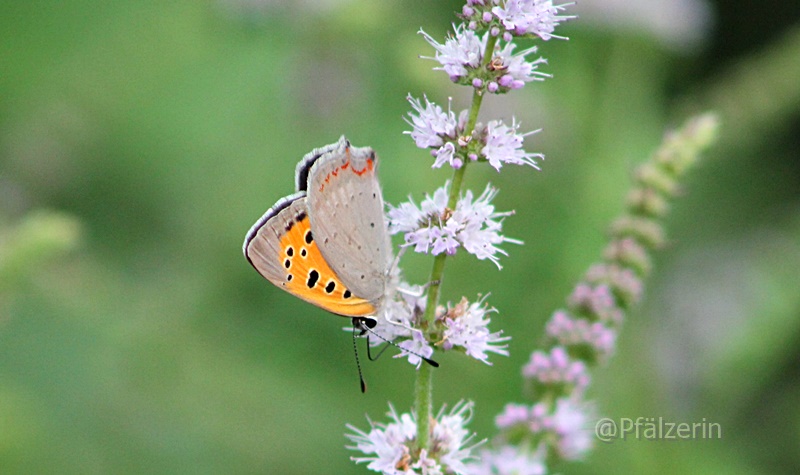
(423, 391)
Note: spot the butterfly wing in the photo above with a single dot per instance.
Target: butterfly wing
(347, 217)
(283, 249)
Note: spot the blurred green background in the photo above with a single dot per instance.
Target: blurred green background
(139, 140)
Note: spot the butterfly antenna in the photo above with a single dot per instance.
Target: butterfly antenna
(355, 352)
(365, 327)
(369, 355)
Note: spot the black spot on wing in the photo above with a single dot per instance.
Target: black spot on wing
(313, 277)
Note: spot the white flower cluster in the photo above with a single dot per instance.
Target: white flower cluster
(515, 17)
(436, 229)
(462, 327)
(390, 448)
(467, 327)
(444, 133)
(463, 57)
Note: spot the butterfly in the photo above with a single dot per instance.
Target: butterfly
(328, 243)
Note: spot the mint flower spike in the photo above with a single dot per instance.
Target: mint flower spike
(556, 425)
(434, 229)
(391, 448)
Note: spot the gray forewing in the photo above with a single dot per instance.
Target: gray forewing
(347, 220)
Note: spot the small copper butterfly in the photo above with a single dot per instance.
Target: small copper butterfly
(328, 243)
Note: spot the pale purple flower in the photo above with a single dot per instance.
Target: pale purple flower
(480, 229)
(513, 414)
(504, 145)
(438, 130)
(414, 348)
(430, 124)
(437, 204)
(557, 369)
(539, 418)
(385, 444)
(389, 448)
(530, 17)
(426, 465)
(451, 437)
(516, 67)
(596, 301)
(473, 224)
(466, 326)
(446, 154)
(461, 51)
(443, 239)
(594, 336)
(627, 286)
(421, 239)
(404, 218)
(564, 424)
